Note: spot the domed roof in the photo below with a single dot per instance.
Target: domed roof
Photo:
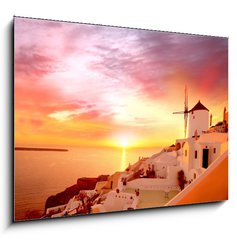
(198, 106)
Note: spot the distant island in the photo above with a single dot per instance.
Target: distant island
(40, 149)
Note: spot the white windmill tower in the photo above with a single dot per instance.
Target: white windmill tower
(198, 117)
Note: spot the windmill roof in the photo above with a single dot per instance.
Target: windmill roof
(198, 106)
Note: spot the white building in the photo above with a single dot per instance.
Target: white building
(117, 200)
(199, 153)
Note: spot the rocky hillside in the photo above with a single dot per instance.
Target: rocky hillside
(82, 184)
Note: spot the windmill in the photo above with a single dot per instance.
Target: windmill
(185, 112)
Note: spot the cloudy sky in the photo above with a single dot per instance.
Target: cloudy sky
(90, 85)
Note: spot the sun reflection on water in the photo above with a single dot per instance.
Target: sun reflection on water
(124, 163)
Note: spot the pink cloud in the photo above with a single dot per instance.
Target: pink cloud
(32, 61)
(85, 71)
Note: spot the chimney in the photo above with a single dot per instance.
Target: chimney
(224, 114)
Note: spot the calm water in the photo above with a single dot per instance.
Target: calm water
(41, 174)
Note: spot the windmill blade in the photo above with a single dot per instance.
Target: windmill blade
(185, 111)
(186, 99)
(185, 124)
(181, 112)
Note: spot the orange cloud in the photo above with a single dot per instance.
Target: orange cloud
(82, 84)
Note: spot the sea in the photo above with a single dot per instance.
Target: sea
(40, 174)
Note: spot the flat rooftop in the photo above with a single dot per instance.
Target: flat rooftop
(152, 199)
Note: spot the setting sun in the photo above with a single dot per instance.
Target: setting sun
(124, 143)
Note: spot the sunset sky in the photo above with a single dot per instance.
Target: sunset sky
(90, 85)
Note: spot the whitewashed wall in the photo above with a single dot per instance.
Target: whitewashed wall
(198, 120)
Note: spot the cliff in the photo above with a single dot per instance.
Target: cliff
(82, 184)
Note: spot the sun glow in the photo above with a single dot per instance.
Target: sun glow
(127, 140)
(124, 142)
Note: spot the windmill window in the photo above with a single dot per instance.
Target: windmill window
(186, 153)
(196, 154)
(214, 150)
